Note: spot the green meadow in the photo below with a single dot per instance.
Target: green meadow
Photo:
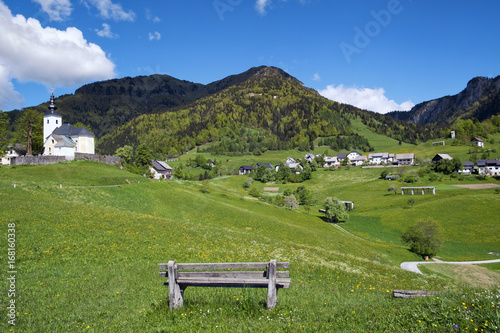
(87, 252)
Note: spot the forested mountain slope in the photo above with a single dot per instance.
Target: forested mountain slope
(268, 110)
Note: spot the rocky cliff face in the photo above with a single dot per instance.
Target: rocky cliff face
(478, 100)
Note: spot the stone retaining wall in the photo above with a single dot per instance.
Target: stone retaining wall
(42, 160)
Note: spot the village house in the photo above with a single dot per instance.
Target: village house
(380, 158)
(440, 157)
(160, 170)
(267, 165)
(467, 168)
(293, 165)
(350, 156)
(405, 159)
(358, 160)
(478, 142)
(12, 152)
(309, 157)
(342, 156)
(245, 170)
(331, 162)
(489, 167)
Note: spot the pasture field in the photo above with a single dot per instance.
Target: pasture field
(87, 257)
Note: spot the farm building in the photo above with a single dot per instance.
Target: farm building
(489, 167)
(380, 158)
(478, 142)
(440, 157)
(160, 170)
(405, 159)
(245, 170)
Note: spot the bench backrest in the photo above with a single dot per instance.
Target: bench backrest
(226, 270)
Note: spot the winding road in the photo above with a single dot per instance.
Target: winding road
(412, 266)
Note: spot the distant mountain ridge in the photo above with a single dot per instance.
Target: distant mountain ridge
(265, 109)
(480, 100)
(105, 105)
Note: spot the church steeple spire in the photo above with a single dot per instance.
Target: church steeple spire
(52, 105)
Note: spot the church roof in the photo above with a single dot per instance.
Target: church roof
(63, 141)
(69, 130)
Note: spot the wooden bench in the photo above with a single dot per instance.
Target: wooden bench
(255, 275)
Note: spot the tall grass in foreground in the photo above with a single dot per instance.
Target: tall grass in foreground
(87, 260)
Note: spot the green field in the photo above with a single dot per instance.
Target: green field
(87, 255)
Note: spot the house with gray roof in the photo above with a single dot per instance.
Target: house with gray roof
(245, 170)
(489, 167)
(405, 159)
(160, 170)
(440, 157)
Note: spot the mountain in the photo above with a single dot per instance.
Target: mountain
(105, 105)
(260, 109)
(480, 100)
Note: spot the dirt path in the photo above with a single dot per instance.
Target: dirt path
(412, 266)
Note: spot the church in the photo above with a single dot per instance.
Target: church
(64, 139)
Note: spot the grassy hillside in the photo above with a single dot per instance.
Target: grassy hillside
(87, 257)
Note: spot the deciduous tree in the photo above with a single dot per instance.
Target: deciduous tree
(4, 122)
(29, 130)
(291, 202)
(424, 238)
(126, 153)
(335, 210)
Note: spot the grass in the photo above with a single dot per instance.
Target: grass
(87, 257)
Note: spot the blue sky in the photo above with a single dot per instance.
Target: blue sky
(379, 55)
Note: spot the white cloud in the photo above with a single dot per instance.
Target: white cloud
(151, 17)
(106, 31)
(261, 5)
(58, 10)
(108, 9)
(9, 98)
(364, 98)
(316, 77)
(154, 36)
(29, 52)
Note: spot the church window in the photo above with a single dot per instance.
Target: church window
(52, 141)
(47, 121)
(57, 121)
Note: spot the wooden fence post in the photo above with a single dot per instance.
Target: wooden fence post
(271, 288)
(174, 291)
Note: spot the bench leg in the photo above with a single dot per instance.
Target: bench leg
(175, 295)
(271, 288)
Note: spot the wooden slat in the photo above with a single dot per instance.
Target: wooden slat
(230, 265)
(249, 274)
(230, 282)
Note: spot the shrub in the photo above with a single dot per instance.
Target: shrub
(433, 177)
(254, 192)
(409, 179)
(248, 183)
(424, 238)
